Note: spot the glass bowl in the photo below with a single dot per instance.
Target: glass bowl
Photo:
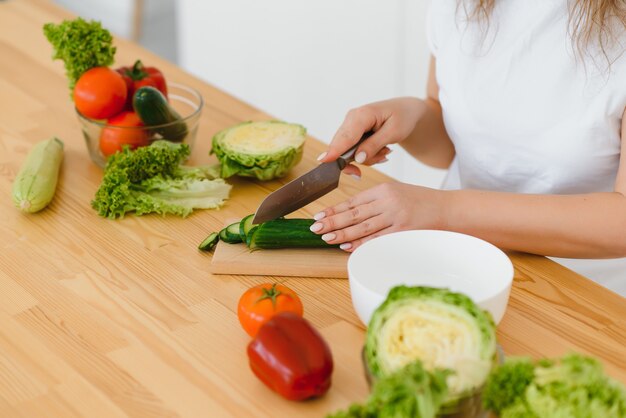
(470, 406)
(186, 101)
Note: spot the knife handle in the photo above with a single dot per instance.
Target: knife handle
(348, 156)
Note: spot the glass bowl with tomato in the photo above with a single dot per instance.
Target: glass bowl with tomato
(133, 106)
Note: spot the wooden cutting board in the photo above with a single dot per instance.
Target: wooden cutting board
(299, 262)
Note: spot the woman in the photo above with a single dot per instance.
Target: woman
(526, 103)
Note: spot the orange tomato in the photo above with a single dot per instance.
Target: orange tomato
(260, 303)
(100, 93)
(120, 132)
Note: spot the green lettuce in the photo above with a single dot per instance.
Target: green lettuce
(574, 386)
(411, 391)
(153, 180)
(81, 45)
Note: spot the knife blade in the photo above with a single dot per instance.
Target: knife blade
(306, 188)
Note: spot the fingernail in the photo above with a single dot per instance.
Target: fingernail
(319, 216)
(384, 160)
(360, 157)
(389, 152)
(316, 227)
(322, 156)
(356, 176)
(329, 237)
(346, 246)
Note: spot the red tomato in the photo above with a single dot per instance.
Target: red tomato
(260, 303)
(120, 133)
(138, 76)
(100, 93)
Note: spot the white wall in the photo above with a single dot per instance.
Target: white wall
(158, 30)
(310, 62)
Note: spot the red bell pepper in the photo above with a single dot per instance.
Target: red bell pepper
(291, 357)
(138, 76)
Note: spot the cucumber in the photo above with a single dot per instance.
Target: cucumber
(245, 225)
(154, 110)
(36, 182)
(209, 242)
(250, 235)
(230, 234)
(285, 233)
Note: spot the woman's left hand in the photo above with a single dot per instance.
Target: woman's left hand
(386, 208)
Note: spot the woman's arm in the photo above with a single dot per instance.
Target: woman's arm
(429, 142)
(577, 226)
(414, 123)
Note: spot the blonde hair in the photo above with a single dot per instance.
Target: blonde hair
(591, 22)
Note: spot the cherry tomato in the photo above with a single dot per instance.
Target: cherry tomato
(138, 76)
(120, 133)
(100, 93)
(260, 303)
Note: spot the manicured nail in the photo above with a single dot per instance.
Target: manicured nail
(384, 160)
(322, 156)
(319, 216)
(356, 176)
(360, 157)
(346, 246)
(316, 227)
(329, 237)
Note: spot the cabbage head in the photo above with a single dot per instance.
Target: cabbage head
(264, 150)
(442, 329)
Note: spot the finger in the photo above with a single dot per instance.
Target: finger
(345, 219)
(356, 123)
(356, 232)
(352, 170)
(353, 245)
(374, 144)
(360, 199)
(381, 157)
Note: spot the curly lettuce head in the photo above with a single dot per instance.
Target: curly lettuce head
(442, 329)
(264, 150)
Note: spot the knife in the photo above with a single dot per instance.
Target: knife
(306, 188)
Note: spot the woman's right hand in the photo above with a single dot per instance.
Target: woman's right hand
(391, 120)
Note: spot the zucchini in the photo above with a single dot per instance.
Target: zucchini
(154, 110)
(36, 182)
(230, 234)
(209, 242)
(285, 233)
(245, 225)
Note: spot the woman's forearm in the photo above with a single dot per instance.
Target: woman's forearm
(574, 226)
(429, 142)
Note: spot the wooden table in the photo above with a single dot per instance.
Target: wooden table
(103, 318)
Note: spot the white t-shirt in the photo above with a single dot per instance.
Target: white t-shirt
(527, 115)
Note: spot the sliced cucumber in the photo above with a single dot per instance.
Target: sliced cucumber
(230, 234)
(209, 242)
(245, 225)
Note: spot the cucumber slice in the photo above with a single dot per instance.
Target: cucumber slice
(209, 242)
(245, 225)
(230, 234)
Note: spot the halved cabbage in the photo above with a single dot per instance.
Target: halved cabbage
(443, 329)
(265, 150)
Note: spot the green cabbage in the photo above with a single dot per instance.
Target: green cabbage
(264, 150)
(443, 329)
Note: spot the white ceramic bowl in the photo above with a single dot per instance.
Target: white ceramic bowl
(459, 262)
